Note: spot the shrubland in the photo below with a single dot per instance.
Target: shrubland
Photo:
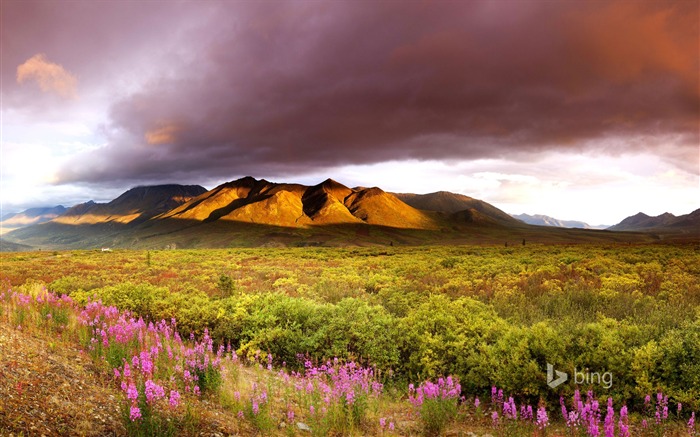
(483, 316)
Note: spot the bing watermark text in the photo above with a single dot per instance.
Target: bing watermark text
(555, 377)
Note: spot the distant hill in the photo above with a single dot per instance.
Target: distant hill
(688, 223)
(452, 203)
(30, 216)
(545, 220)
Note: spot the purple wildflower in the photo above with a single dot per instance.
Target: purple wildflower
(623, 423)
(174, 398)
(134, 413)
(542, 418)
(132, 393)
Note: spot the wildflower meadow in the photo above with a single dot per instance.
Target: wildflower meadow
(370, 363)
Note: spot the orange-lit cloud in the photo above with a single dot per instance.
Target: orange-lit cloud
(49, 76)
(163, 133)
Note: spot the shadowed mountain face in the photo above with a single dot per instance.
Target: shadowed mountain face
(29, 217)
(134, 206)
(459, 206)
(667, 221)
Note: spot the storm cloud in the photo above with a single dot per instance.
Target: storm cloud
(232, 88)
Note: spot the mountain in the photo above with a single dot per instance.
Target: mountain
(452, 203)
(545, 220)
(688, 223)
(251, 212)
(30, 216)
(255, 201)
(134, 206)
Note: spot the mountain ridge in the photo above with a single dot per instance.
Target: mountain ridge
(665, 221)
(252, 212)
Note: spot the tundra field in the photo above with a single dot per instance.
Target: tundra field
(352, 341)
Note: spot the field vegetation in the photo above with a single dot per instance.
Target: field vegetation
(369, 341)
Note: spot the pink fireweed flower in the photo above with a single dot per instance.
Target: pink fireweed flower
(477, 402)
(542, 418)
(174, 398)
(391, 426)
(240, 414)
(382, 422)
(623, 422)
(290, 416)
(256, 407)
(494, 419)
(134, 413)
(117, 375)
(153, 391)
(509, 409)
(132, 393)
(146, 364)
(691, 424)
(610, 420)
(196, 390)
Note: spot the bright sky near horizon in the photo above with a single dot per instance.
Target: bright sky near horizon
(578, 110)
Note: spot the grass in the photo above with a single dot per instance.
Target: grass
(265, 323)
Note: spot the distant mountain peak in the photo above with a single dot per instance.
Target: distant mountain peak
(545, 220)
(642, 221)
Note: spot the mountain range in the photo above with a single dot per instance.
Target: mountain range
(252, 212)
(665, 221)
(545, 220)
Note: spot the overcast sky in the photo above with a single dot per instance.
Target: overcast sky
(579, 110)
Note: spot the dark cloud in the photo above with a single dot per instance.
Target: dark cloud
(261, 87)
